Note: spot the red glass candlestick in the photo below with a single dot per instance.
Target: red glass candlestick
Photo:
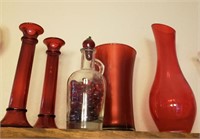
(172, 103)
(16, 111)
(47, 116)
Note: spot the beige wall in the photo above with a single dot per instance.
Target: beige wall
(120, 21)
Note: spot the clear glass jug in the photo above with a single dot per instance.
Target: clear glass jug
(86, 92)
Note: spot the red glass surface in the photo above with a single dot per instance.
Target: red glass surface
(47, 116)
(15, 116)
(172, 103)
(119, 64)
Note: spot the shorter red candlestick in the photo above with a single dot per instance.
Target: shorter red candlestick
(47, 116)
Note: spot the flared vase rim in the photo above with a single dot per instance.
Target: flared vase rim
(117, 44)
(34, 26)
(163, 28)
(53, 40)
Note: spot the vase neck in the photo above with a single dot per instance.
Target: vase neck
(166, 53)
(166, 47)
(87, 60)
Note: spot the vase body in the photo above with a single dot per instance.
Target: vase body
(16, 111)
(86, 94)
(119, 64)
(46, 116)
(172, 103)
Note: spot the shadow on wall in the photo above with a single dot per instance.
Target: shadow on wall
(4, 35)
(196, 61)
(152, 59)
(1, 40)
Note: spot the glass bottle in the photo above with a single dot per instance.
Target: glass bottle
(172, 102)
(16, 111)
(47, 116)
(86, 92)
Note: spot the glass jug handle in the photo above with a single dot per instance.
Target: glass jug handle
(100, 66)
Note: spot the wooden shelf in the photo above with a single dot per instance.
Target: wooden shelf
(9, 132)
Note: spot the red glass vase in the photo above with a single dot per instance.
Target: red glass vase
(118, 60)
(46, 118)
(16, 111)
(172, 103)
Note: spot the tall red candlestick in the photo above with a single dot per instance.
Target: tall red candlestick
(47, 116)
(16, 111)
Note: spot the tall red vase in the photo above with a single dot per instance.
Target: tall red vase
(46, 118)
(172, 103)
(16, 111)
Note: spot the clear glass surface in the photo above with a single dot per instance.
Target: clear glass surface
(86, 95)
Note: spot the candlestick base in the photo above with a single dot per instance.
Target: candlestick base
(15, 117)
(45, 121)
